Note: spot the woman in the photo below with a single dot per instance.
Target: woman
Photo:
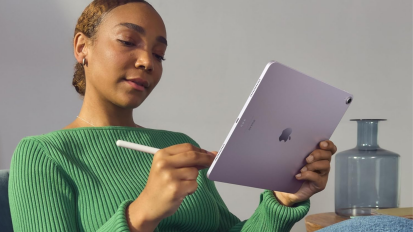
(76, 179)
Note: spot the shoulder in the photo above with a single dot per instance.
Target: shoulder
(39, 141)
(173, 137)
(185, 138)
(30, 151)
(34, 146)
(30, 142)
(69, 140)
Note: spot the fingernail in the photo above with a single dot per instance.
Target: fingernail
(324, 144)
(210, 153)
(298, 175)
(310, 159)
(304, 169)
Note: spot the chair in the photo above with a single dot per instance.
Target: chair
(5, 217)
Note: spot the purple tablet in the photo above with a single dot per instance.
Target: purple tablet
(284, 119)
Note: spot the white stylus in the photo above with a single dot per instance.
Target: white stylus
(135, 146)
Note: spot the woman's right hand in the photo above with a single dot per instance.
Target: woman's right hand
(172, 177)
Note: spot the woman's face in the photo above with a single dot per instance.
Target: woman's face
(130, 44)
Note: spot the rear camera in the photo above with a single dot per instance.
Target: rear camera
(349, 100)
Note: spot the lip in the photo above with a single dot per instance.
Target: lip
(135, 86)
(138, 83)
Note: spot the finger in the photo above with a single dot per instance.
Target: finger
(328, 145)
(322, 167)
(181, 148)
(319, 154)
(214, 152)
(183, 188)
(318, 181)
(186, 173)
(190, 186)
(191, 159)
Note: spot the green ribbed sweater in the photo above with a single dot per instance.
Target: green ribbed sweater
(79, 180)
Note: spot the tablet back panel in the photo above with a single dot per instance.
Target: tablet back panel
(285, 117)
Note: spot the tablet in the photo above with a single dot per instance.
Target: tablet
(284, 119)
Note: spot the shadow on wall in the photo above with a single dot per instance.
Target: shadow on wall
(2, 158)
(38, 34)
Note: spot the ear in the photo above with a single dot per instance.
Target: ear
(80, 46)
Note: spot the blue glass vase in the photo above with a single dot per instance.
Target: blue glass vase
(367, 176)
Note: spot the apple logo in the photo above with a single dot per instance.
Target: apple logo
(286, 135)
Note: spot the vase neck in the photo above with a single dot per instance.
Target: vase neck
(367, 135)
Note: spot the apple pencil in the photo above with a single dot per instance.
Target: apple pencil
(135, 146)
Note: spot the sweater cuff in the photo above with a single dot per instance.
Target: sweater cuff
(271, 215)
(285, 216)
(118, 221)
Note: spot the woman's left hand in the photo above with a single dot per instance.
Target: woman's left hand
(315, 174)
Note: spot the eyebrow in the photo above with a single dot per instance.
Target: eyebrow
(140, 30)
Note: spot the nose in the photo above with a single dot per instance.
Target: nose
(144, 61)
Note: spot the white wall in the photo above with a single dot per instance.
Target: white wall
(217, 52)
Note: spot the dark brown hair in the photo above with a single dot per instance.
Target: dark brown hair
(88, 23)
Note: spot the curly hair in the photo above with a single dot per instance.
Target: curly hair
(88, 24)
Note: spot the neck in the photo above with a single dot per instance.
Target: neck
(367, 135)
(101, 112)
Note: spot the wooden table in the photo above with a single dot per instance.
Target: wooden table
(318, 221)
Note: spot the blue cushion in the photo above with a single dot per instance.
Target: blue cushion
(5, 218)
(382, 223)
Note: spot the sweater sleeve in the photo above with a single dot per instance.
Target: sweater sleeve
(41, 195)
(269, 216)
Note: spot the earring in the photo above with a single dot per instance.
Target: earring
(83, 61)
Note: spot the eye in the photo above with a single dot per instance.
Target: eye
(160, 58)
(126, 43)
